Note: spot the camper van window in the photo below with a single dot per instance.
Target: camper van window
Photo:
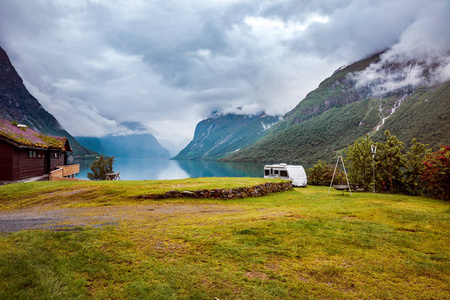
(276, 172)
(283, 174)
(266, 172)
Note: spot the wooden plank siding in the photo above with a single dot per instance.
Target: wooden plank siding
(70, 169)
(28, 166)
(6, 162)
(62, 171)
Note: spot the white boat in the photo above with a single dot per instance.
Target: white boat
(296, 174)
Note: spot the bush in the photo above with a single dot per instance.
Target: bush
(322, 173)
(436, 173)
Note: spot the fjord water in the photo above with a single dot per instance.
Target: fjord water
(157, 169)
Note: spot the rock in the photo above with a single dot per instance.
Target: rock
(253, 191)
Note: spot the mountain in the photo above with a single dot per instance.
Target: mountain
(364, 98)
(17, 104)
(134, 145)
(222, 134)
(93, 143)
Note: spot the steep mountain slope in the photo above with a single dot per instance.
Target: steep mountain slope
(134, 145)
(342, 109)
(222, 134)
(92, 143)
(17, 104)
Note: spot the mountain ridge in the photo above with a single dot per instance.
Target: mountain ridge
(221, 134)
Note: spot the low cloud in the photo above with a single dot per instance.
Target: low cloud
(421, 57)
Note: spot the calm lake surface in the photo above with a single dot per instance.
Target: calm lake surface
(157, 169)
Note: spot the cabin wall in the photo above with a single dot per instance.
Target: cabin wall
(25, 166)
(56, 161)
(6, 161)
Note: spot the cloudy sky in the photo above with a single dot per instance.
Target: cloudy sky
(168, 64)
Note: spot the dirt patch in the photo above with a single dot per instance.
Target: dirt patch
(44, 217)
(256, 275)
(65, 193)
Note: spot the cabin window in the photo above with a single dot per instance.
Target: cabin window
(283, 174)
(55, 154)
(267, 172)
(31, 154)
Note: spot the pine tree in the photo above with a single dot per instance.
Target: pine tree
(414, 167)
(359, 161)
(390, 162)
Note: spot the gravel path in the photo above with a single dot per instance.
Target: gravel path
(70, 218)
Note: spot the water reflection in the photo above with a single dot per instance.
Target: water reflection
(156, 169)
(221, 169)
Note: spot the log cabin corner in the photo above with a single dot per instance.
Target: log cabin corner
(27, 155)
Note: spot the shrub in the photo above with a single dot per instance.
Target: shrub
(322, 173)
(436, 173)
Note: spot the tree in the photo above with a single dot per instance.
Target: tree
(100, 167)
(390, 162)
(414, 167)
(359, 161)
(436, 173)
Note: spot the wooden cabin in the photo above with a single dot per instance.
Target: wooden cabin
(26, 153)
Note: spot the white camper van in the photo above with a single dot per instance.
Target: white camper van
(296, 174)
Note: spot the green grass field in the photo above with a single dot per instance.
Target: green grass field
(300, 244)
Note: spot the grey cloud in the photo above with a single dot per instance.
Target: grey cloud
(359, 28)
(168, 64)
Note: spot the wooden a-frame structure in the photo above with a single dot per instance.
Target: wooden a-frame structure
(345, 172)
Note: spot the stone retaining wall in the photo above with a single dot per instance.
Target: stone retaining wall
(253, 191)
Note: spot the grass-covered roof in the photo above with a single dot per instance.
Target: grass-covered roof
(27, 137)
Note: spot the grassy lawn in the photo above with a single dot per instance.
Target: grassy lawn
(97, 193)
(297, 244)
